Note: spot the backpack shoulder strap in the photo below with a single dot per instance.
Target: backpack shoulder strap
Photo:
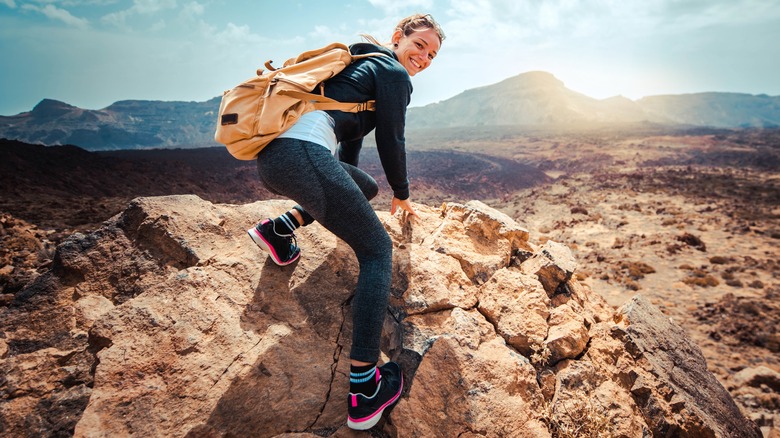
(321, 102)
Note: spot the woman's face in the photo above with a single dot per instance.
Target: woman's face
(417, 50)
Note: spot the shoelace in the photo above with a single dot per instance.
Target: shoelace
(290, 238)
(293, 242)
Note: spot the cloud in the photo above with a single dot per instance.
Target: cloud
(394, 7)
(140, 7)
(9, 3)
(692, 14)
(116, 19)
(56, 13)
(190, 19)
(467, 22)
(631, 47)
(192, 9)
(152, 6)
(81, 2)
(325, 34)
(234, 33)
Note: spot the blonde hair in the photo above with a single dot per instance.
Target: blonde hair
(411, 24)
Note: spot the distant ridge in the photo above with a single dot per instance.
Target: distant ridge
(533, 99)
(539, 98)
(127, 124)
(716, 109)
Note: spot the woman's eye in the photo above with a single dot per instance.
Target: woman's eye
(419, 46)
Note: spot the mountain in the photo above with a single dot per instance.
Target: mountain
(536, 99)
(716, 109)
(128, 124)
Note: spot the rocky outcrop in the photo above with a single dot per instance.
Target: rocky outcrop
(168, 321)
(25, 251)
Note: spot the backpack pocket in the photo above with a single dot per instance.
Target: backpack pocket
(239, 111)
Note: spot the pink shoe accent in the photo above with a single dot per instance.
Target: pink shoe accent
(267, 247)
(378, 376)
(372, 420)
(265, 244)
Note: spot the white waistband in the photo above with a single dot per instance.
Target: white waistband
(316, 127)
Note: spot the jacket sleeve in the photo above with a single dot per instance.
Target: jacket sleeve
(349, 151)
(392, 97)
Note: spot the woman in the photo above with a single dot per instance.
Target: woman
(300, 164)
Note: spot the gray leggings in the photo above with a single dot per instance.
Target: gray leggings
(336, 195)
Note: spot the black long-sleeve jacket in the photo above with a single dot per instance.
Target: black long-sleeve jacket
(384, 79)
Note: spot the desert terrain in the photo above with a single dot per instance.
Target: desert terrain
(688, 218)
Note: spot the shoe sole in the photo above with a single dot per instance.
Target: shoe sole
(265, 246)
(371, 421)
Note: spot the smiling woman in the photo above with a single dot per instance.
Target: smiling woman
(422, 37)
(300, 165)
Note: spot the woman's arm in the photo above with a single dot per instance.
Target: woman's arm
(392, 96)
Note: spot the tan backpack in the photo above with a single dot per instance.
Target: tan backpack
(263, 107)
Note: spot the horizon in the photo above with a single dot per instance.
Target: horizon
(411, 106)
(93, 53)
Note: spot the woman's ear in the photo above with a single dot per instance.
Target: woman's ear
(396, 37)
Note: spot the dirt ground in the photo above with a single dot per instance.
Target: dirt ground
(700, 240)
(690, 220)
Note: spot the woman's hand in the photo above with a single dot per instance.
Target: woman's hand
(405, 205)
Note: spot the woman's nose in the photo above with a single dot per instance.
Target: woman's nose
(424, 55)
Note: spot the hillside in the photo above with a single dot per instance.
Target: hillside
(539, 99)
(75, 188)
(131, 124)
(529, 100)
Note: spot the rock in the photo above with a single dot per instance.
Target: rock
(169, 321)
(519, 308)
(671, 399)
(567, 336)
(757, 376)
(487, 390)
(553, 265)
(22, 252)
(488, 223)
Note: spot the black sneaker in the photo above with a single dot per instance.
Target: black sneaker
(283, 248)
(365, 412)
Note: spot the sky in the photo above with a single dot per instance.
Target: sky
(92, 53)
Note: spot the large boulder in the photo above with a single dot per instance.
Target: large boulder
(169, 321)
